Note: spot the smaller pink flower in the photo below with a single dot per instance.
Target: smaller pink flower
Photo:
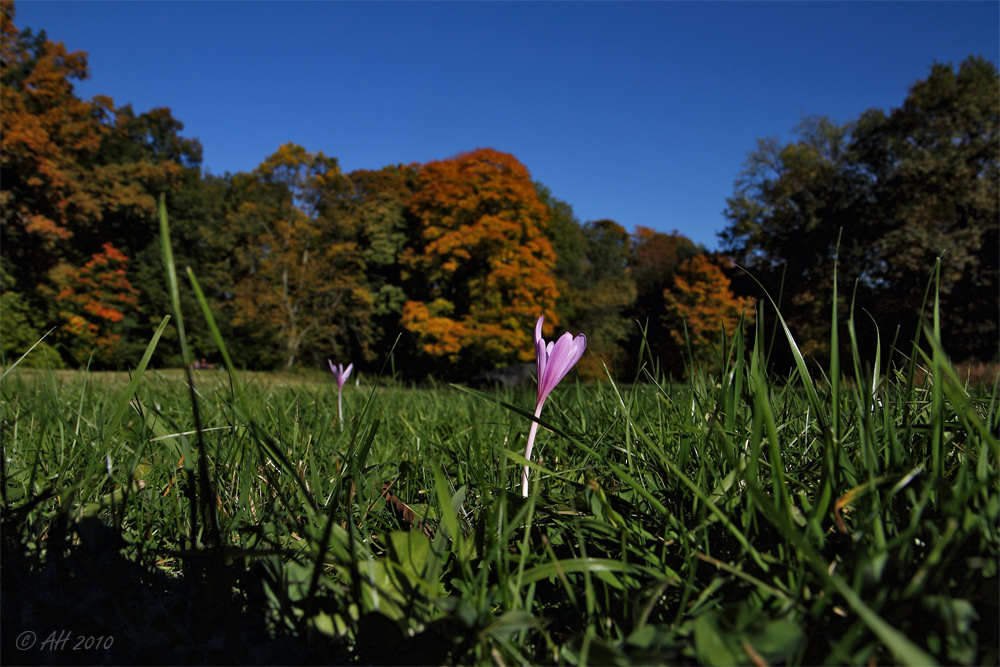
(554, 360)
(341, 374)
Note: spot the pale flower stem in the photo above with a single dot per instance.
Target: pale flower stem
(527, 452)
(340, 411)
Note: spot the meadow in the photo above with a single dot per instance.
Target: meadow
(220, 517)
(738, 518)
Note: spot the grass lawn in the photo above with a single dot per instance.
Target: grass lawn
(741, 518)
(738, 519)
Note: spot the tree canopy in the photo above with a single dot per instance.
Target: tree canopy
(450, 263)
(76, 177)
(702, 313)
(899, 191)
(303, 282)
(480, 268)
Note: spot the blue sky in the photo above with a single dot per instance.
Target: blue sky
(642, 112)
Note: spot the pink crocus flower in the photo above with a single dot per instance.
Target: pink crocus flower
(341, 374)
(555, 359)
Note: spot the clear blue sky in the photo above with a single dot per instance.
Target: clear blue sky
(638, 112)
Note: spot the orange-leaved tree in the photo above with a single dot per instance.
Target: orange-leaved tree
(48, 134)
(91, 301)
(700, 305)
(75, 175)
(480, 268)
(655, 258)
(58, 175)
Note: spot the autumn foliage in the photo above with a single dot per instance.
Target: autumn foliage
(701, 309)
(48, 134)
(480, 266)
(57, 181)
(655, 258)
(92, 300)
(71, 202)
(303, 284)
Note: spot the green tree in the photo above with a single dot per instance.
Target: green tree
(150, 153)
(610, 292)
(654, 260)
(371, 206)
(596, 288)
(933, 170)
(202, 239)
(900, 190)
(18, 331)
(791, 204)
(304, 283)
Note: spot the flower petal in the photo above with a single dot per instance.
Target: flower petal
(340, 373)
(541, 355)
(563, 355)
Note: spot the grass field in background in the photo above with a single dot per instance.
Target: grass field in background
(740, 519)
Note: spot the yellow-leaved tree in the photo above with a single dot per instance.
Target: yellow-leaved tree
(303, 285)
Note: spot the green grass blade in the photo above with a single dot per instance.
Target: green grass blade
(121, 401)
(21, 358)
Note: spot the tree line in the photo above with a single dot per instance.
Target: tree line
(451, 262)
